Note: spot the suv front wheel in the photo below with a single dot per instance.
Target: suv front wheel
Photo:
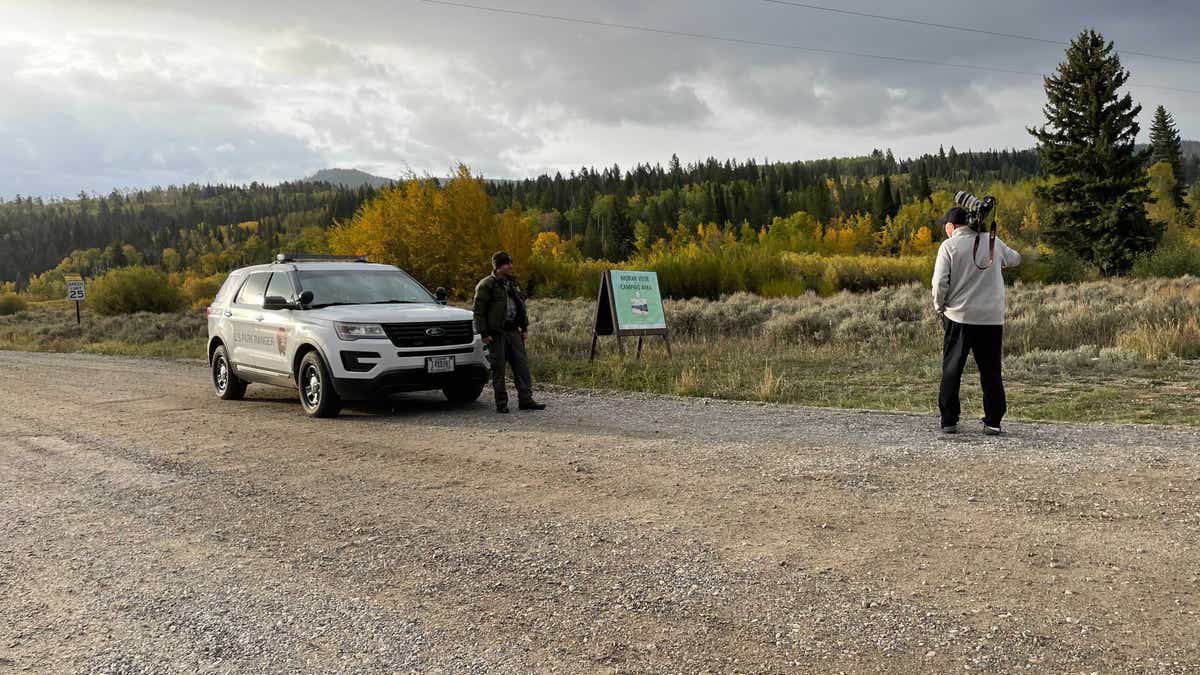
(317, 395)
(225, 382)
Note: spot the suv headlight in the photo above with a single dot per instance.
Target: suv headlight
(359, 331)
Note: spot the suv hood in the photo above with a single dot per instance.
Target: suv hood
(388, 313)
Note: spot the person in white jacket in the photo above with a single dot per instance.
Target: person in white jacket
(969, 296)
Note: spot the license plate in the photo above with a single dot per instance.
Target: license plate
(439, 364)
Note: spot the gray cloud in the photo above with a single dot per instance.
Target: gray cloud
(83, 131)
(282, 88)
(310, 56)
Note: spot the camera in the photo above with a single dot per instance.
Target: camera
(977, 209)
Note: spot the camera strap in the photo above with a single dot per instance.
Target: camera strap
(991, 248)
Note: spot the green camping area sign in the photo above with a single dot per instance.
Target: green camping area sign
(637, 300)
(629, 304)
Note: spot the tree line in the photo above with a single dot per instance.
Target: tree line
(196, 225)
(602, 208)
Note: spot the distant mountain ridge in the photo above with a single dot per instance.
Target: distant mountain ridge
(350, 178)
(354, 178)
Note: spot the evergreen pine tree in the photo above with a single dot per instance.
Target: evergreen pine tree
(1165, 146)
(920, 181)
(883, 202)
(1098, 185)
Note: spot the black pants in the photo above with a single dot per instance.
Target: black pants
(509, 348)
(985, 342)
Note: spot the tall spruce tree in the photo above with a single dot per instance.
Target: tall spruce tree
(883, 202)
(920, 181)
(1098, 185)
(1166, 146)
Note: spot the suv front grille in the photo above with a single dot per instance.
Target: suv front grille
(418, 334)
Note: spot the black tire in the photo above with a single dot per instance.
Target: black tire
(317, 395)
(225, 382)
(463, 393)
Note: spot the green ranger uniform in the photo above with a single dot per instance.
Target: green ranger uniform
(500, 314)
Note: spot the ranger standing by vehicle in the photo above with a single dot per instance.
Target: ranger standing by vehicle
(501, 319)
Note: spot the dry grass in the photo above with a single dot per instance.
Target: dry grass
(1155, 318)
(50, 326)
(1163, 341)
(1117, 350)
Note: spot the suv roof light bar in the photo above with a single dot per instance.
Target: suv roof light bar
(317, 257)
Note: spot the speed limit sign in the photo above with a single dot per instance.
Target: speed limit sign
(75, 291)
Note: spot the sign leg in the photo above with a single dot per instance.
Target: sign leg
(77, 320)
(639, 348)
(667, 339)
(595, 338)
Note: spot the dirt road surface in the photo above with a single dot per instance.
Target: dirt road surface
(146, 526)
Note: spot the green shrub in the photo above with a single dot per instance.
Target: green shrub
(11, 303)
(1054, 267)
(47, 286)
(134, 289)
(1176, 256)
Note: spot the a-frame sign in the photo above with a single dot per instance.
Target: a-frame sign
(629, 304)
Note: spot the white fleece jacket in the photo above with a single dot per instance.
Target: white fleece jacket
(963, 292)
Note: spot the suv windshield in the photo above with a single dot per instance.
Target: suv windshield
(361, 287)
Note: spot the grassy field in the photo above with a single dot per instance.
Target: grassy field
(51, 327)
(1121, 350)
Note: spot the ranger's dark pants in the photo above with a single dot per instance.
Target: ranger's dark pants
(985, 342)
(508, 347)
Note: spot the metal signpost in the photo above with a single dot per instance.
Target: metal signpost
(75, 291)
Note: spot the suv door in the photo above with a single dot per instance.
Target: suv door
(275, 328)
(243, 316)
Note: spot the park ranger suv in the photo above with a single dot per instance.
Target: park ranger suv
(340, 330)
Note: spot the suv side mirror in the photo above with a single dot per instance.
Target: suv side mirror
(441, 295)
(306, 298)
(276, 302)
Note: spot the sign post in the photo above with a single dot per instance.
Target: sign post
(629, 304)
(75, 291)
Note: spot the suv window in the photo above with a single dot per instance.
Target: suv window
(361, 287)
(280, 287)
(227, 288)
(252, 290)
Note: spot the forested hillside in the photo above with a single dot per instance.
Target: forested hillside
(602, 207)
(204, 224)
(873, 205)
(199, 226)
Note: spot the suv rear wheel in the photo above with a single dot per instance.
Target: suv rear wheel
(460, 394)
(317, 395)
(225, 382)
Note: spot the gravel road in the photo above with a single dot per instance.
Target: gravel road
(146, 526)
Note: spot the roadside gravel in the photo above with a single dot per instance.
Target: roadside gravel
(147, 527)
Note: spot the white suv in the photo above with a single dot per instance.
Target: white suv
(339, 330)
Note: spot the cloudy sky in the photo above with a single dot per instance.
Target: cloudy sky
(123, 94)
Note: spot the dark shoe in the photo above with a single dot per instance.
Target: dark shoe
(989, 430)
(502, 408)
(949, 428)
(531, 405)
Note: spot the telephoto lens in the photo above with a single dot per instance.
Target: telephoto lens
(967, 200)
